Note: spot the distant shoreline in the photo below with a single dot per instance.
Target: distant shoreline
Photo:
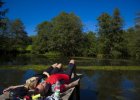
(92, 68)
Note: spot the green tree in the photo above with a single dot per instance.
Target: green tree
(90, 44)
(111, 35)
(104, 32)
(2, 16)
(137, 36)
(67, 34)
(116, 36)
(3, 33)
(129, 35)
(43, 38)
(18, 35)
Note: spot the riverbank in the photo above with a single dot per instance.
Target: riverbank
(42, 67)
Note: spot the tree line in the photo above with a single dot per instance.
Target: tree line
(64, 34)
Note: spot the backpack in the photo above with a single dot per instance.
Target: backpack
(32, 82)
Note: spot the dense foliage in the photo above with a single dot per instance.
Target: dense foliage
(64, 34)
(111, 38)
(3, 20)
(13, 38)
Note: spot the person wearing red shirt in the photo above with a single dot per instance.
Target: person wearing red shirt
(54, 74)
(62, 76)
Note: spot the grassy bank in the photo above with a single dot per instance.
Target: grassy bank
(42, 67)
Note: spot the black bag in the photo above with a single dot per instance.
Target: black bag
(18, 92)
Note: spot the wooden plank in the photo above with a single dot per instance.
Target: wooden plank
(71, 93)
(66, 95)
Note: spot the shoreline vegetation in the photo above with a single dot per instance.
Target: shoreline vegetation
(92, 68)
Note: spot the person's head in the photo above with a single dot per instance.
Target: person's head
(31, 83)
(43, 88)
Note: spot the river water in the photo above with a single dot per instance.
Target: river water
(81, 61)
(95, 85)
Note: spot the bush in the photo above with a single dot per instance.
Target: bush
(115, 54)
(53, 54)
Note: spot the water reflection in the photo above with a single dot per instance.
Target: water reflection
(10, 77)
(127, 89)
(110, 85)
(95, 85)
(86, 94)
(26, 59)
(90, 82)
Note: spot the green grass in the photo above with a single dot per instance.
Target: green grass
(42, 67)
(110, 67)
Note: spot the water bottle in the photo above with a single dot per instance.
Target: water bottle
(57, 91)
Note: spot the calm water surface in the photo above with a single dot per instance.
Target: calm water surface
(81, 61)
(95, 85)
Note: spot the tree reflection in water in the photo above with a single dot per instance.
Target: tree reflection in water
(110, 85)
